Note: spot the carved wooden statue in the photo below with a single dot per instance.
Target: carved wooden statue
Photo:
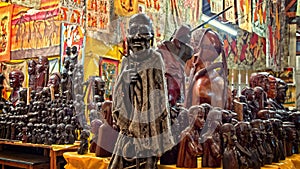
(54, 84)
(212, 140)
(16, 78)
(84, 144)
(135, 107)
(32, 74)
(291, 135)
(189, 146)
(230, 154)
(42, 76)
(242, 145)
(207, 85)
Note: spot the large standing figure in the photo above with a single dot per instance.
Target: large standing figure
(140, 102)
(42, 76)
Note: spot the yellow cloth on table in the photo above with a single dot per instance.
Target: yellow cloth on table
(86, 161)
(295, 159)
(284, 164)
(174, 166)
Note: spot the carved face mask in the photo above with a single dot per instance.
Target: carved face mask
(140, 33)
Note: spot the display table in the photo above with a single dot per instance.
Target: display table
(90, 161)
(52, 151)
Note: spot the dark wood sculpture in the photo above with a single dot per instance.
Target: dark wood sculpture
(189, 146)
(54, 85)
(243, 130)
(230, 154)
(42, 76)
(212, 140)
(291, 136)
(84, 144)
(206, 84)
(32, 74)
(16, 79)
(258, 141)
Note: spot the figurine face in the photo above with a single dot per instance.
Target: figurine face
(16, 79)
(199, 121)
(42, 64)
(228, 132)
(242, 131)
(31, 67)
(140, 32)
(54, 80)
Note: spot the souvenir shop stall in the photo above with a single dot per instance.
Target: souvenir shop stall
(149, 84)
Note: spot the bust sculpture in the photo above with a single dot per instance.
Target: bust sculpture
(230, 153)
(54, 84)
(16, 79)
(189, 146)
(84, 144)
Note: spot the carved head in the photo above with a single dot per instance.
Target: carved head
(196, 115)
(140, 32)
(16, 78)
(32, 67)
(260, 79)
(228, 133)
(281, 90)
(248, 92)
(182, 39)
(243, 131)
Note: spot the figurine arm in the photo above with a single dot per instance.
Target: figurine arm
(214, 147)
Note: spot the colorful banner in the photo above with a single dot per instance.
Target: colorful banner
(71, 35)
(34, 33)
(216, 6)
(244, 14)
(36, 4)
(259, 17)
(5, 30)
(298, 8)
(230, 14)
(108, 71)
(71, 11)
(245, 52)
(6, 68)
(126, 7)
(98, 15)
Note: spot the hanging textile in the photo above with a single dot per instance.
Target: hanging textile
(126, 7)
(298, 8)
(259, 18)
(5, 42)
(244, 52)
(72, 35)
(6, 68)
(98, 15)
(230, 14)
(36, 4)
(71, 11)
(35, 32)
(216, 6)
(244, 14)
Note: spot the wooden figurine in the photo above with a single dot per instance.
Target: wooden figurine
(84, 144)
(189, 147)
(230, 154)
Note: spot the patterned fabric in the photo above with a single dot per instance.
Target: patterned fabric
(230, 14)
(72, 35)
(259, 17)
(5, 25)
(71, 11)
(98, 15)
(36, 4)
(216, 6)
(244, 14)
(298, 8)
(126, 7)
(30, 37)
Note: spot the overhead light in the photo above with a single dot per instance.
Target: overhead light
(219, 25)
